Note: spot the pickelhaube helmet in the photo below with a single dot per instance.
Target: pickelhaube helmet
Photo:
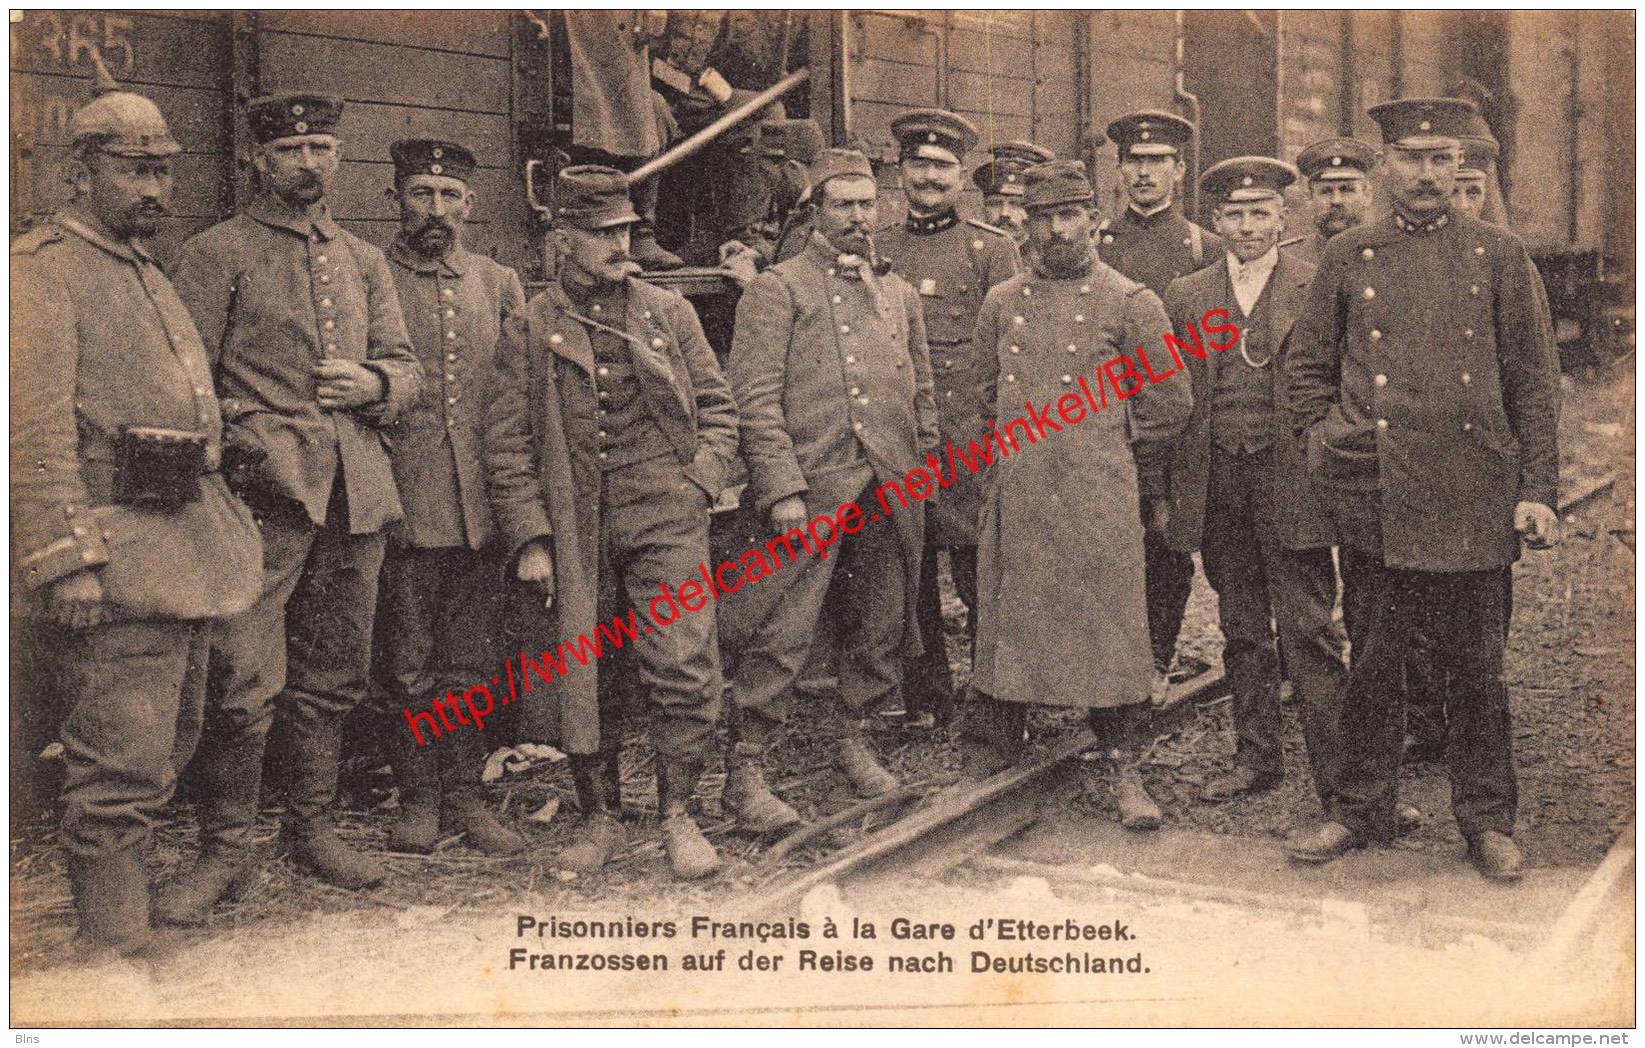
(121, 123)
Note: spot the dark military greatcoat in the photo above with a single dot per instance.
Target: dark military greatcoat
(1423, 377)
(952, 263)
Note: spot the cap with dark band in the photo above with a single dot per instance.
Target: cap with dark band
(1151, 132)
(1002, 176)
(1423, 123)
(427, 156)
(934, 134)
(1337, 158)
(1245, 179)
(592, 196)
(1055, 183)
(289, 115)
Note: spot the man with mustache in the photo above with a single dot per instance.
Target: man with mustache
(126, 543)
(1153, 243)
(1339, 192)
(438, 606)
(1060, 554)
(1426, 385)
(952, 261)
(609, 442)
(309, 350)
(833, 380)
(1000, 180)
(1239, 488)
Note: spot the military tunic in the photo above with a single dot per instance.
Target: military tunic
(835, 394)
(1060, 558)
(100, 341)
(439, 600)
(1426, 385)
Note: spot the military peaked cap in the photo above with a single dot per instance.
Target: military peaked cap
(935, 134)
(1243, 179)
(1337, 158)
(1423, 123)
(592, 196)
(1151, 133)
(1055, 183)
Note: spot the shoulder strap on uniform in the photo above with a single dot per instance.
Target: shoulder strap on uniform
(1197, 236)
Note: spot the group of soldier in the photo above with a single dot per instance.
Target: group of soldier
(299, 471)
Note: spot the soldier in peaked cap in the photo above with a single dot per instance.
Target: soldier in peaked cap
(952, 262)
(1426, 386)
(127, 546)
(609, 442)
(1068, 505)
(303, 325)
(438, 606)
(1152, 242)
(1000, 180)
(1474, 176)
(1338, 171)
(824, 337)
(1240, 494)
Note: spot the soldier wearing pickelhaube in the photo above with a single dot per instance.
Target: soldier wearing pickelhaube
(1338, 171)
(1153, 243)
(1425, 383)
(952, 262)
(310, 354)
(126, 543)
(609, 441)
(439, 596)
(1000, 180)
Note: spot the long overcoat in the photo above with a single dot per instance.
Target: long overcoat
(1059, 557)
(542, 486)
(1301, 515)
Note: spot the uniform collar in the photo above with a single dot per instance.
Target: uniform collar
(1150, 218)
(270, 210)
(1432, 225)
(925, 225)
(93, 233)
(454, 262)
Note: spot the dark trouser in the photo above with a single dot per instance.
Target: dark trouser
(1259, 581)
(1168, 579)
(654, 531)
(1383, 606)
(134, 693)
(930, 680)
(307, 641)
(1425, 689)
(438, 619)
(861, 584)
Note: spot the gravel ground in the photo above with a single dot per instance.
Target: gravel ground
(1570, 670)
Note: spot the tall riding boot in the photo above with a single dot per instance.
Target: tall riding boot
(463, 808)
(746, 794)
(316, 747)
(231, 778)
(857, 760)
(644, 247)
(600, 833)
(417, 770)
(111, 894)
(689, 854)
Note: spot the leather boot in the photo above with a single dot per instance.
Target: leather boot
(991, 739)
(690, 855)
(463, 809)
(231, 780)
(417, 770)
(111, 895)
(1137, 809)
(316, 748)
(749, 798)
(600, 834)
(867, 775)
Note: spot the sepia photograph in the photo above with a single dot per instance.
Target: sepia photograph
(808, 519)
